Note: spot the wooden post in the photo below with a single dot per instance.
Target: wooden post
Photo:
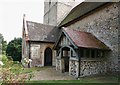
(79, 57)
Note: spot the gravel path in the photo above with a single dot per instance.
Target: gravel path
(50, 73)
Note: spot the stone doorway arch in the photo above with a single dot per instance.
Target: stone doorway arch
(48, 57)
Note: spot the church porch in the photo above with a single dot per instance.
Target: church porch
(78, 60)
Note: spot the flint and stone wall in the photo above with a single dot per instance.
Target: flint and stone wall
(37, 54)
(91, 67)
(58, 64)
(87, 67)
(73, 67)
(103, 23)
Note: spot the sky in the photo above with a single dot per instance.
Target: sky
(11, 16)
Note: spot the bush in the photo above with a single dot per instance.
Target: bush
(14, 49)
(4, 59)
(11, 72)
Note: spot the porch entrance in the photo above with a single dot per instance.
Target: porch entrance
(66, 60)
(48, 57)
(66, 56)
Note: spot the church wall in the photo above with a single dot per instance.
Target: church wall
(25, 48)
(92, 67)
(58, 64)
(48, 4)
(74, 68)
(52, 16)
(37, 54)
(55, 11)
(50, 11)
(25, 54)
(46, 18)
(42, 50)
(46, 7)
(103, 23)
(53, 2)
(63, 9)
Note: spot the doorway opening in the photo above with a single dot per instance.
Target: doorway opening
(48, 57)
(66, 56)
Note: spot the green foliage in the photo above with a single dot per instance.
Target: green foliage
(4, 59)
(14, 49)
(4, 46)
(10, 71)
(3, 43)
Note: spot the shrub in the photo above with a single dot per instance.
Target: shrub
(14, 49)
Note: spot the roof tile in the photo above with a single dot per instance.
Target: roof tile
(41, 32)
(85, 39)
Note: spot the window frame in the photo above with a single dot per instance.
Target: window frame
(92, 53)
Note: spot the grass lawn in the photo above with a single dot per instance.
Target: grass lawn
(98, 79)
(17, 69)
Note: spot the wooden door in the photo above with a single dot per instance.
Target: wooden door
(48, 57)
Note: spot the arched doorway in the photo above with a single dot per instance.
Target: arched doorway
(48, 57)
(65, 54)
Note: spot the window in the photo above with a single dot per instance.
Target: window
(87, 53)
(91, 53)
(49, 3)
(81, 53)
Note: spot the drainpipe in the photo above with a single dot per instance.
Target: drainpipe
(29, 55)
(79, 57)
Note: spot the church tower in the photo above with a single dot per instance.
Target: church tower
(56, 10)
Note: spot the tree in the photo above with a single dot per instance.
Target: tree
(3, 44)
(14, 49)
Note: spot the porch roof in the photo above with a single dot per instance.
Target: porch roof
(84, 39)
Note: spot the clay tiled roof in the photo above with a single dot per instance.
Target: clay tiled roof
(84, 39)
(41, 32)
